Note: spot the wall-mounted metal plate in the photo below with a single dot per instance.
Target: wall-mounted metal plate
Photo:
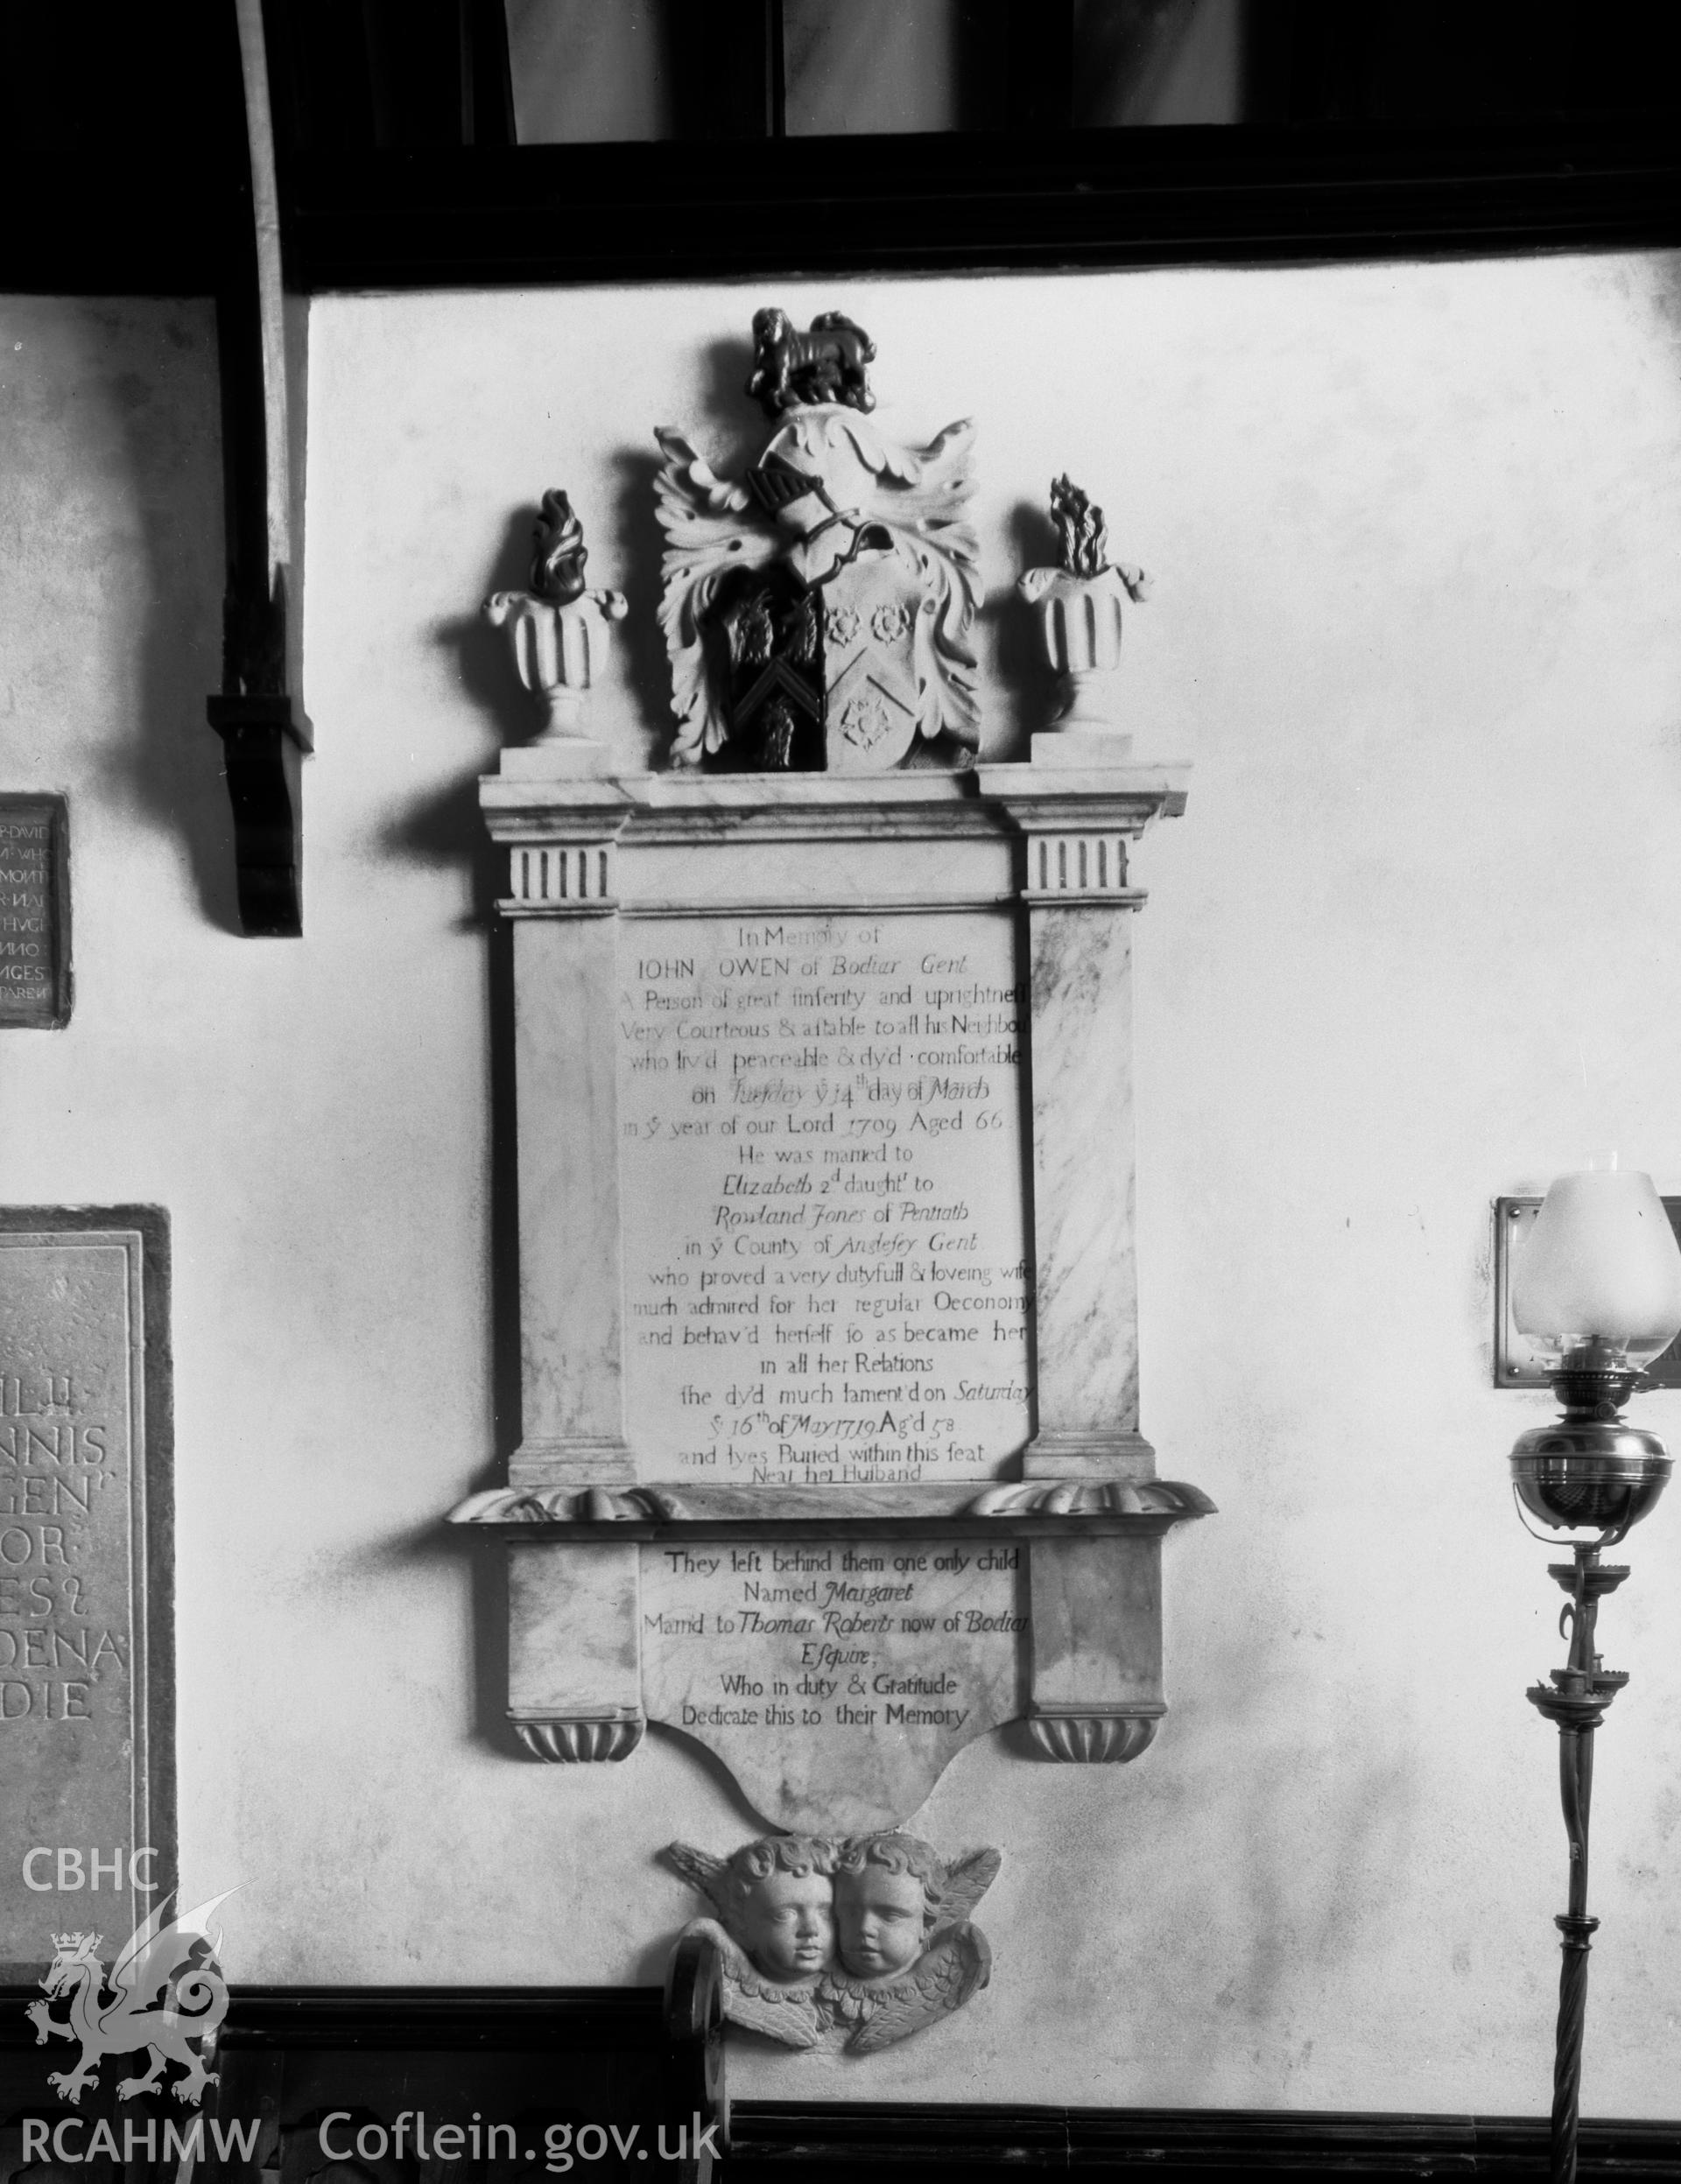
(1517, 1361)
(34, 913)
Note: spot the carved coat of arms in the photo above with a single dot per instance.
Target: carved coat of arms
(818, 610)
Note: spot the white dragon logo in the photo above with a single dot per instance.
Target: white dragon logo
(163, 1992)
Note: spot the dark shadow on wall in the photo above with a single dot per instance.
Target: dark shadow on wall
(1019, 665)
(491, 1643)
(490, 1556)
(640, 645)
(446, 828)
(149, 379)
(443, 831)
(505, 1392)
(733, 425)
(487, 676)
(436, 1541)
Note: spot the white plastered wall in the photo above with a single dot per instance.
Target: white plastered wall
(1416, 531)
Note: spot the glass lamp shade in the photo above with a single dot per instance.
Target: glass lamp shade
(1600, 1267)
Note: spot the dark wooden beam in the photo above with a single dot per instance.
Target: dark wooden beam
(891, 204)
(120, 147)
(257, 712)
(825, 2143)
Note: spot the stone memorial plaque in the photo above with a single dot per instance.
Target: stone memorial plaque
(826, 1271)
(34, 913)
(830, 1457)
(86, 1756)
(887, 1655)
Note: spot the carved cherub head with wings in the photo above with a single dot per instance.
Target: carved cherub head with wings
(908, 1954)
(893, 1891)
(774, 1897)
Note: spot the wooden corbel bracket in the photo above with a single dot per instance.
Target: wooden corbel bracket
(264, 740)
(258, 713)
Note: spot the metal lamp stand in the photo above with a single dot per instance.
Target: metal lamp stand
(1589, 1468)
(1576, 1700)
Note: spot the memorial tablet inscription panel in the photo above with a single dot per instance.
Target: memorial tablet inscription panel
(34, 913)
(83, 1576)
(826, 1270)
(893, 1652)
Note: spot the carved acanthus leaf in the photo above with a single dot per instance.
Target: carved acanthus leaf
(944, 658)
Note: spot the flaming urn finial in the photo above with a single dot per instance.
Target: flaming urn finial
(1079, 604)
(559, 632)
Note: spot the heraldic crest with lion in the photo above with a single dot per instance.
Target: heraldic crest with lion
(818, 610)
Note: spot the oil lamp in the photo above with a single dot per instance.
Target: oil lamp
(1598, 1286)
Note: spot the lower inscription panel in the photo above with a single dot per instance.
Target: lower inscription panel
(835, 1679)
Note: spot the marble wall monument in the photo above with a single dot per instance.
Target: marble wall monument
(87, 1765)
(832, 1452)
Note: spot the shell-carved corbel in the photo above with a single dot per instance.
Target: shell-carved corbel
(576, 1741)
(1094, 1739)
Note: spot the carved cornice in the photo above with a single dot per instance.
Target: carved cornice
(651, 810)
(1054, 799)
(1149, 1506)
(1090, 1497)
(576, 810)
(556, 1506)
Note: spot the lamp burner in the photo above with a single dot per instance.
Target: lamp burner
(1604, 1477)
